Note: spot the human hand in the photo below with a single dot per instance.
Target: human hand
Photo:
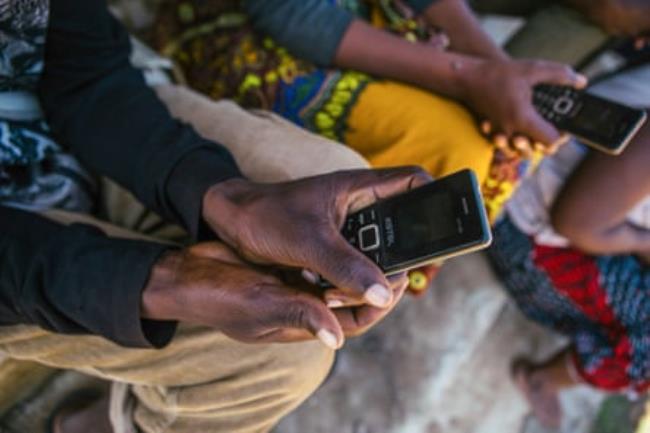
(520, 146)
(501, 92)
(356, 320)
(618, 17)
(297, 224)
(207, 284)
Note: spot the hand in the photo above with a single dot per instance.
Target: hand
(298, 224)
(502, 92)
(207, 284)
(618, 17)
(520, 146)
(357, 320)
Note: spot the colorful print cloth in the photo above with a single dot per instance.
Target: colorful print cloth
(602, 303)
(220, 55)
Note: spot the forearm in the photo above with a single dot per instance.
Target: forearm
(367, 49)
(99, 106)
(76, 280)
(464, 30)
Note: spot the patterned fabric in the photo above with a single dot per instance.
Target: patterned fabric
(601, 302)
(35, 173)
(220, 55)
(223, 57)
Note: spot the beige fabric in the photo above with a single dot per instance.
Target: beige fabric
(203, 381)
(264, 140)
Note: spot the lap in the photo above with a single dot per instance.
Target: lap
(268, 149)
(396, 124)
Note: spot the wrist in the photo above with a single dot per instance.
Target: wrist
(157, 303)
(219, 202)
(465, 73)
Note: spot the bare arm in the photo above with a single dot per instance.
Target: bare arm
(592, 208)
(463, 28)
(368, 49)
(497, 90)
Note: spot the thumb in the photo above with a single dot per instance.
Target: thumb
(556, 73)
(307, 312)
(350, 270)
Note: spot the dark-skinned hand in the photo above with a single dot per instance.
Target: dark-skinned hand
(208, 284)
(297, 224)
(501, 92)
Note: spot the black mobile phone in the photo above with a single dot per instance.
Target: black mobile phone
(600, 123)
(442, 219)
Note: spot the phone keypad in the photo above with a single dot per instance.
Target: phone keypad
(556, 103)
(361, 230)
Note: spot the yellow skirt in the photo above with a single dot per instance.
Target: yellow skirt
(394, 124)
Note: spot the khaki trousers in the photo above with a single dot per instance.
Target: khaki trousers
(203, 381)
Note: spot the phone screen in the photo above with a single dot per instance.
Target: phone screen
(438, 220)
(600, 118)
(606, 123)
(422, 222)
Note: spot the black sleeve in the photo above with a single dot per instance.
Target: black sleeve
(76, 280)
(99, 106)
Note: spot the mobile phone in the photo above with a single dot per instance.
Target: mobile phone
(439, 220)
(600, 123)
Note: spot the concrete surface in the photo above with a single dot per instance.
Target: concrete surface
(439, 364)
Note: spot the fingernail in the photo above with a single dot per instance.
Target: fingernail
(581, 81)
(378, 295)
(328, 339)
(335, 303)
(309, 276)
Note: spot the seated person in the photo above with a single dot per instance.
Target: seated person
(574, 251)
(373, 75)
(169, 325)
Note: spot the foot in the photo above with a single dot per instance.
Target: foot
(541, 395)
(91, 416)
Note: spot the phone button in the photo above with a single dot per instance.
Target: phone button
(369, 237)
(563, 105)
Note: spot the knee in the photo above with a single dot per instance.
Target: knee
(250, 388)
(301, 368)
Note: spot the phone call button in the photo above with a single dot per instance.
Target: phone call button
(369, 237)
